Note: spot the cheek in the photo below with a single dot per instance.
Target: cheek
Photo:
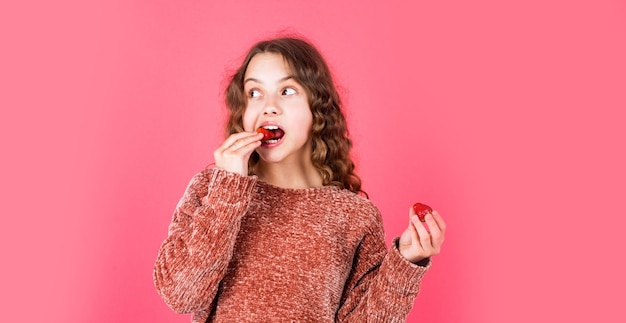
(307, 117)
(305, 121)
(248, 120)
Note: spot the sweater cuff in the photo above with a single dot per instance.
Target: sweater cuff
(234, 188)
(413, 273)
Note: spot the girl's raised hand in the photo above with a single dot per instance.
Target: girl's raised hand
(422, 240)
(234, 153)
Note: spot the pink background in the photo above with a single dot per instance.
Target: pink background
(508, 117)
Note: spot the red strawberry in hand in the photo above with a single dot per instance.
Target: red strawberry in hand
(267, 135)
(421, 210)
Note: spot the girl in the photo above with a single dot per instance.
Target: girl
(279, 230)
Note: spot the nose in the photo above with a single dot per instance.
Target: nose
(271, 106)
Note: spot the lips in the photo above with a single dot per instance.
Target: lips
(271, 134)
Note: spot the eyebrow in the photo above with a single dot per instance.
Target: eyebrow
(252, 79)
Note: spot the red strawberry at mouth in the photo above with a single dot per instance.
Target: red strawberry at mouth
(266, 134)
(421, 210)
(270, 132)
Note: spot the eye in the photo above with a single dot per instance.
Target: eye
(254, 93)
(288, 91)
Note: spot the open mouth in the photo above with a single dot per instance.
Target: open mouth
(271, 134)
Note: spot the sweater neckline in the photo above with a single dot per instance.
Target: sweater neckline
(296, 191)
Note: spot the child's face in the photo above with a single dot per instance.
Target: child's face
(274, 98)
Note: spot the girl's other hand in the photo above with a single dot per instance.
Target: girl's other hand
(234, 153)
(422, 240)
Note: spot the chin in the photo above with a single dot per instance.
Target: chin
(270, 158)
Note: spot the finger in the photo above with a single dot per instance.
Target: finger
(440, 223)
(232, 139)
(247, 145)
(413, 219)
(412, 211)
(252, 141)
(432, 225)
(414, 235)
(424, 235)
(436, 235)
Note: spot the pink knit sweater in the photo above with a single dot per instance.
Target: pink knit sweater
(242, 250)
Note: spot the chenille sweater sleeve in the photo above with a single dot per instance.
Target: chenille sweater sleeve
(382, 285)
(194, 257)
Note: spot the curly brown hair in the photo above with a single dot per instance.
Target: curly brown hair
(330, 138)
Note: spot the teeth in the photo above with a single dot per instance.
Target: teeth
(270, 127)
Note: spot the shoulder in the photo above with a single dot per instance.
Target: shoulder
(351, 198)
(357, 206)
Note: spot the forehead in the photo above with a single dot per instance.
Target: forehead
(267, 66)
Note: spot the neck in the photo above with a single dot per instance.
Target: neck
(289, 176)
